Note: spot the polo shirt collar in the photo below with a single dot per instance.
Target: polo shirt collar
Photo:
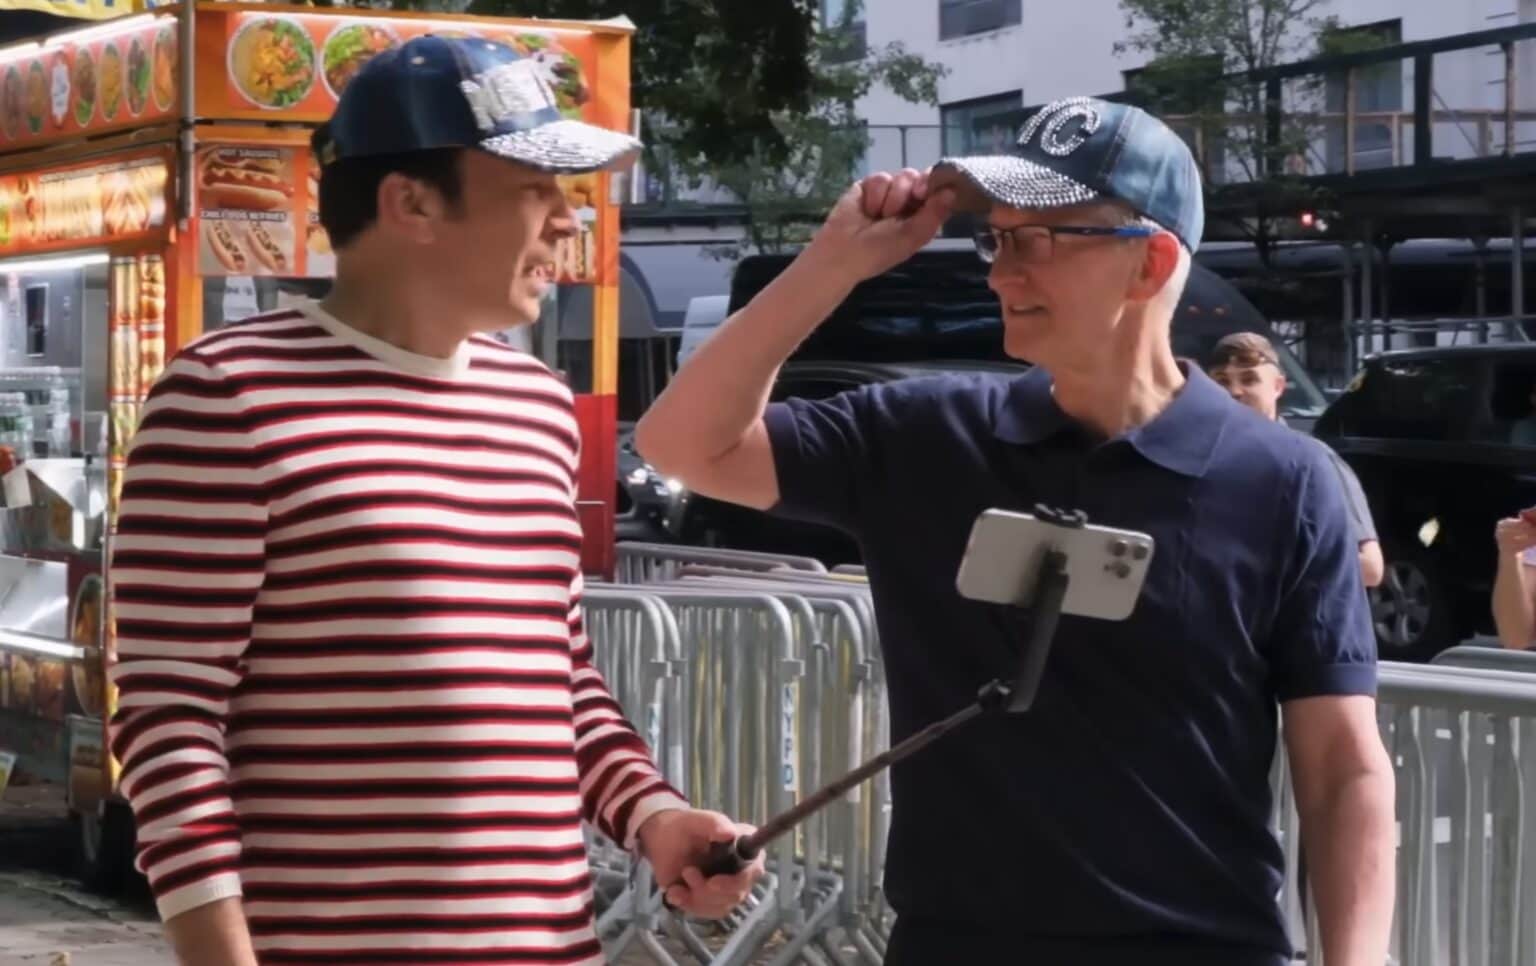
(1182, 438)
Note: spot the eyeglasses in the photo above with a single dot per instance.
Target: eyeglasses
(1036, 244)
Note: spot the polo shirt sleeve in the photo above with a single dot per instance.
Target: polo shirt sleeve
(1323, 641)
(1354, 497)
(825, 453)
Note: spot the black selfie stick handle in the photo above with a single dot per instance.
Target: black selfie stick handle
(1045, 612)
(728, 858)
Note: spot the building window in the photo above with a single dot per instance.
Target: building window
(1378, 96)
(843, 21)
(987, 125)
(961, 18)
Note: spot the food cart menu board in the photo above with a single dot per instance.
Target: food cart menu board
(82, 204)
(300, 63)
(116, 76)
(254, 203)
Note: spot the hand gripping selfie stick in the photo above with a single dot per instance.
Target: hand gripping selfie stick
(1015, 696)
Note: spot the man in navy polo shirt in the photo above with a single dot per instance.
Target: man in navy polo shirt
(1124, 820)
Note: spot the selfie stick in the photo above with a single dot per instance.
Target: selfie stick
(729, 858)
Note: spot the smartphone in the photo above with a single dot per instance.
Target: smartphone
(1106, 567)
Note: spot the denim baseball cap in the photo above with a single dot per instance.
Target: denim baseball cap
(439, 92)
(1082, 149)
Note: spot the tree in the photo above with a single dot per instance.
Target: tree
(786, 194)
(1201, 53)
(720, 71)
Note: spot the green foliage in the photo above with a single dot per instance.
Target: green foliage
(786, 194)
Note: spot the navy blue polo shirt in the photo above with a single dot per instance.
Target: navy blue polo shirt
(1127, 814)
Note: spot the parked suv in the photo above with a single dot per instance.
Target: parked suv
(1444, 443)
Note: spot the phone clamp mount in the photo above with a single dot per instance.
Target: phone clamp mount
(1012, 696)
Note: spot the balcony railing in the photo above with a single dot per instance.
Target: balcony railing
(1469, 97)
(1424, 106)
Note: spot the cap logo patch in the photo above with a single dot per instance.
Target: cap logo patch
(504, 92)
(1054, 118)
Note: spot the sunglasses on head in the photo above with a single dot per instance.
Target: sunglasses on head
(1242, 357)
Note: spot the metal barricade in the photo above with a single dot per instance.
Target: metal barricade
(640, 563)
(738, 672)
(1463, 746)
(841, 851)
(1492, 658)
(637, 648)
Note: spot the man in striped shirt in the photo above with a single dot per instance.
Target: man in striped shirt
(359, 720)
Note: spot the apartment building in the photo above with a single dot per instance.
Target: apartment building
(1002, 55)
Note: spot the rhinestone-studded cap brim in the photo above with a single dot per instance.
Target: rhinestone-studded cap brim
(981, 182)
(566, 147)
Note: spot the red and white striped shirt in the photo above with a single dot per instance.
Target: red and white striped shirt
(355, 687)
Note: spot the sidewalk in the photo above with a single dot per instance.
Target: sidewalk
(47, 921)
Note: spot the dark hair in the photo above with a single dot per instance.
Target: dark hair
(349, 188)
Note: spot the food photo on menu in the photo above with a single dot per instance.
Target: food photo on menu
(37, 96)
(349, 47)
(576, 255)
(58, 92)
(85, 86)
(13, 103)
(246, 198)
(139, 71)
(109, 83)
(164, 80)
(272, 62)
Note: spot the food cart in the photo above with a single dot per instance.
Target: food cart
(155, 183)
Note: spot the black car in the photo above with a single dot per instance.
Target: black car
(649, 507)
(1444, 443)
(935, 313)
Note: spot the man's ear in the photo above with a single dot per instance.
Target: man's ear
(1157, 267)
(408, 208)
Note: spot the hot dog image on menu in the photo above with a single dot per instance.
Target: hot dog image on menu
(245, 179)
(247, 201)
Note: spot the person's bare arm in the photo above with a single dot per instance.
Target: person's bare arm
(707, 428)
(1514, 603)
(214, 934)
(1514, 592)
(1372, 567)
(1345, 796)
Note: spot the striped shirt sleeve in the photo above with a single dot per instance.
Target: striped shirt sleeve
(187, 564)
(620, 786)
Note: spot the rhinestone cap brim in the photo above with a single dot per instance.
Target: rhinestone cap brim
(981, 182)
(566, 147)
